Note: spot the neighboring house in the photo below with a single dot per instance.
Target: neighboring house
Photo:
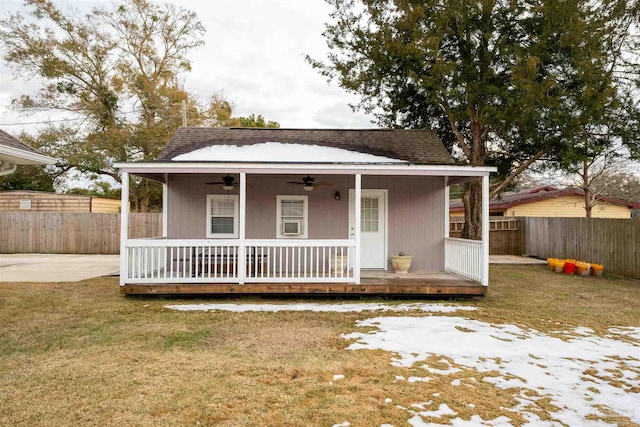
(23, 200)
(550, 201)
(286, 201)
(14, 152)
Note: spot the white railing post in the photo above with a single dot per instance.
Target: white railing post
(242, 248)
(165, 206)
(124, 227)
(356, 261)
(485, 231)
(446, 216)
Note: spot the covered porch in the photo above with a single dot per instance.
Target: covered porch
(327, 259)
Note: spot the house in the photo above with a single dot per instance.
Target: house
(285, 203)
(548, 201)
(38, 201)
(13, 152)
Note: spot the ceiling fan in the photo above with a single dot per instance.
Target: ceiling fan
(308, 183)
(227, 183)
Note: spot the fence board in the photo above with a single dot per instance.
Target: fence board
(506, 234)
(612, 242)
(71, 232)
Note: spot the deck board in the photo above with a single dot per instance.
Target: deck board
(438, 284)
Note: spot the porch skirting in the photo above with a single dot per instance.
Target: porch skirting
(434, 285)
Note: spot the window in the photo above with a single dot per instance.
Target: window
(292, 217)
(25, 203)
(369, 214)
(222, 216)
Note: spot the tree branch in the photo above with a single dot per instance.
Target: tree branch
(516, 172)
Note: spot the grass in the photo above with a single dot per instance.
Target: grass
(81, 354)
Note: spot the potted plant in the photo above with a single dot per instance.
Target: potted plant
(338, 265)
(401, 262)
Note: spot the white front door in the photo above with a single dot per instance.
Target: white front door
(373, 227)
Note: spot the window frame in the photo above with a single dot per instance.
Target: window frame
(25, 204)
(305, 216)
(236, 215)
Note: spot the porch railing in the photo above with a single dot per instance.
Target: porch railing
(217, 261)
(464, 258)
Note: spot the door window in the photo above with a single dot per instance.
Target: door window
(369, 215)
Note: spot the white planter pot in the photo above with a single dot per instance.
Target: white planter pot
(401, 264)
(338, 263)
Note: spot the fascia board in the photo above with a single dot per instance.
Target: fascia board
(337, 169)
(23, 157)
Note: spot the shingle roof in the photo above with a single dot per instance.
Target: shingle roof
(414, 146)
(509, 199)
(10, 141)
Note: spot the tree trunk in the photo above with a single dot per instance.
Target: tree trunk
(586, 189)
(472, 196)
(472, 201)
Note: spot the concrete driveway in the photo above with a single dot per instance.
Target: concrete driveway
(56, 268)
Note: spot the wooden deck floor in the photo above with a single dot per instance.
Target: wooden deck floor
(372, 283)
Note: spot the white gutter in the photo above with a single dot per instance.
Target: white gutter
(23, 157)
(307, 168)
(7, 168)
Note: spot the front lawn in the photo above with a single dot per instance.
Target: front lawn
(81, 354)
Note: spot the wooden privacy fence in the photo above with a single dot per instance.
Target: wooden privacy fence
(71, 232)
(506, 234)
(612, 242)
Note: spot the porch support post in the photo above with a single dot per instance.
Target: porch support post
(242, 249)
(165, 206)
(446, 206)
(124, 227)
(446, 218)
(485, 230)
(358, 195)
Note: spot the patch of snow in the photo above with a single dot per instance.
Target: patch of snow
(337, 308)
(581, 330)
(626, 331)
(456, 382)
(443, 409)
(343, 424)
(281, 153)
(337, 377)
(386, 425)
(566, 371)
(399, 378)
(419, 379)
(448, 371)
(475, 421)
(388, 400)
(421, 406)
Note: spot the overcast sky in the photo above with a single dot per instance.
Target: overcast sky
(254, 54)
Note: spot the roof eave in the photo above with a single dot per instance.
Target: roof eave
(317, 168)
(24, 157)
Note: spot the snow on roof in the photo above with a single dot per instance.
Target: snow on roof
(282, 153)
